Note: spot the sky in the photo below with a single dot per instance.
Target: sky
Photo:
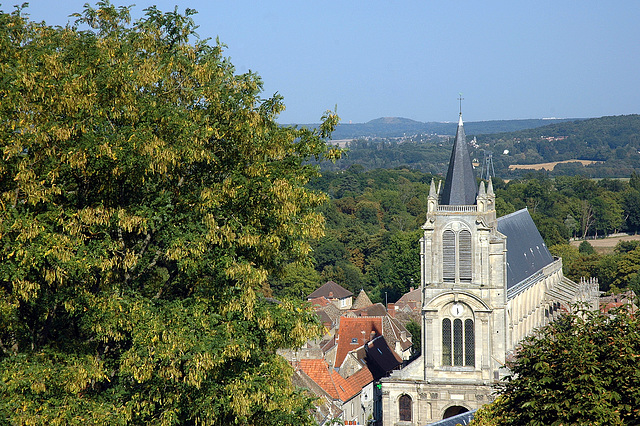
(412, 59)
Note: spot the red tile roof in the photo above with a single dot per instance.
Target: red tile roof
(319, 301)
(333, 383)
(355, 332)
(361, 378)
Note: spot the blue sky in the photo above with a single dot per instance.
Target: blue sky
(510, 59)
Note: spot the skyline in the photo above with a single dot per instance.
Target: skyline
(375, 59)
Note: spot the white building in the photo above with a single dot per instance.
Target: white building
(486, 282)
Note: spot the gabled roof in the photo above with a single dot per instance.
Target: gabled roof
(373, 310)
(355, 332)
(460, 184)
(333, 383)
(331, 311)
(319, 302)
(411, 298)
(330, 290)
(393, 331)
(362, 301)
(526, 251)
(361, 378)
(381, 359)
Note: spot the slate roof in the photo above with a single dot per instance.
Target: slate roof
(380, 358)
(460, 419)
(526, 251)
(460, 184)
(330, 290)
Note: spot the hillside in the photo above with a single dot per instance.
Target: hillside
(393, 127)
(612, 142)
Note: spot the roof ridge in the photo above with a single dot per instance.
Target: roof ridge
(514, 213)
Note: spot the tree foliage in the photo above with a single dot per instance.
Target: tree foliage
(146, 194)
(583, 369)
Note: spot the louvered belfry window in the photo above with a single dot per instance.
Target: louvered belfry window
(449, 256)
(464, 255)
(456, 256)
(446, 341)
(404, 406)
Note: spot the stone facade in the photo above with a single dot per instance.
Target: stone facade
(483, 290)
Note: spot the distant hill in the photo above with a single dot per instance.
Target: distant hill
(612, 142)
(392, 127)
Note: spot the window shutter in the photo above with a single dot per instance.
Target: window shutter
(464, 256)
(448, 256)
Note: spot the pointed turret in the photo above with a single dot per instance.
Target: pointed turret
(460, 185)
(481, 191)
(490, 187)
(432, 202)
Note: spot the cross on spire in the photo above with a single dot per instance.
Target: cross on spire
(460, 99)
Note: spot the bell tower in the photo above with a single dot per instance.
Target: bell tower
(463, 273)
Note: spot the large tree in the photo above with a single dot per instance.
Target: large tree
(146, 194)
(583, 369)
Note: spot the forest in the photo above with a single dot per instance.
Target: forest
(612, 143)
(373, 221)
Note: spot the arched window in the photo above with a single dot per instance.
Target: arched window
(458, 343)
(404, 406)
(446, 341)
(456, 256)
(469, 343)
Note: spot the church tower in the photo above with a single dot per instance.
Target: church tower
(486, 283)
(463, 260)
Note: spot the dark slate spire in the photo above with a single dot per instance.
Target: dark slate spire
(460, 185)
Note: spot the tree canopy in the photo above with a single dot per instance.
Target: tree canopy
(583, 369)
(146, 194)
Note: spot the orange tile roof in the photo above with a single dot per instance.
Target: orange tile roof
(361, 378)
(318, 371)
(331, 382)
(320, 301)
(351, 336)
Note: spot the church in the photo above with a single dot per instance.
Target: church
(486, 283)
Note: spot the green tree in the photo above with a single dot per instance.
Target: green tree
(586, 248)
(583, 369)
(146, 194)
(416, 339)
(297, 281)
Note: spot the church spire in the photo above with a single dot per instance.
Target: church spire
(460, 184)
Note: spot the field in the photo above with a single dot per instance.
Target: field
(606, 245)
(548, 166)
